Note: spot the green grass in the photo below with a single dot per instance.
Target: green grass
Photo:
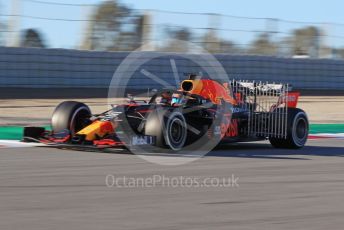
(13, 132)
(326, 128)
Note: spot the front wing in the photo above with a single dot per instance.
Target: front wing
(64, 140)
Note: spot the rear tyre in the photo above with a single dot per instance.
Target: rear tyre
(297, 131)
(70, 115)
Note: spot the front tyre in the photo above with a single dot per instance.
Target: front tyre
(297, 130)
(70, 115)
(175, 132)
(169, 127)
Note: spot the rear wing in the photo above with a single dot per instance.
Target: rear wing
(282, 91)
(267, 106)
(292, 99)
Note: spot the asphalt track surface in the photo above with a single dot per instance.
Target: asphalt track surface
(43, 188)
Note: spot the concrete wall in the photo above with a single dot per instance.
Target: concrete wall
(51, 68)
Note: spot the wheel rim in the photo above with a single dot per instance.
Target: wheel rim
(300, 131)
(176, 130)
(78, 120)
(176, 133)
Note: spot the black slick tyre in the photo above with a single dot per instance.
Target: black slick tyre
(70, 115)
(297, 130)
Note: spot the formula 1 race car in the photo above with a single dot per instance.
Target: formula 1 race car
(200, 111)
